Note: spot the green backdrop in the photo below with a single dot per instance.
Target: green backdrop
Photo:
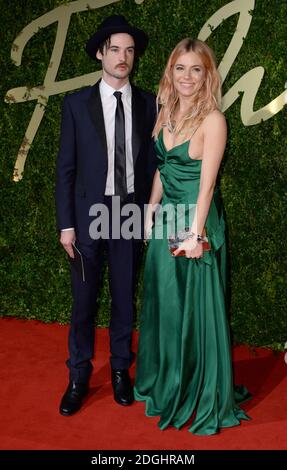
(34, 270)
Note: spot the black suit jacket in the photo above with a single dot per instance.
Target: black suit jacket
(82, 161)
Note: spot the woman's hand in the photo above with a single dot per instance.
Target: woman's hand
(192, 248)
(148, 228)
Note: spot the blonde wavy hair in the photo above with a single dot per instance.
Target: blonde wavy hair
(202, 103)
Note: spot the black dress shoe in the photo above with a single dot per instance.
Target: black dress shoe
(73, 398)
(123, 390)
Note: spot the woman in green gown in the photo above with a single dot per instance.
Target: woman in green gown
(184, 365)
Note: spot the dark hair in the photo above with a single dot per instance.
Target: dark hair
(106, 43)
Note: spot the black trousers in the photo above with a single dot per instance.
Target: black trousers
(123, 258)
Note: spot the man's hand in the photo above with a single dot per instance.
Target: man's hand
(66, 239)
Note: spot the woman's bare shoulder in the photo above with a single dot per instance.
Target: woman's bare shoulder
(215, 117)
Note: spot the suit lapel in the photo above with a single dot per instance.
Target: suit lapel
(138, 113)
(96, 112)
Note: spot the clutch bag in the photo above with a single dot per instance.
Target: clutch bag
(175, 240)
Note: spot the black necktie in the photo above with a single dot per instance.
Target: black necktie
(120, 149)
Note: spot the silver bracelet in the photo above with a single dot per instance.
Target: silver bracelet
(198, 237)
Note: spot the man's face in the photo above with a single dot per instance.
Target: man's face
(117, 58)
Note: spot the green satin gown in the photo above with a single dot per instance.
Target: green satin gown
(184, 367)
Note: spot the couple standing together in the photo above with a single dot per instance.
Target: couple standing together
(114, 143)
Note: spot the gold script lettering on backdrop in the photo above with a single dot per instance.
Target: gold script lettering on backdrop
(41, 93)
(248, 84)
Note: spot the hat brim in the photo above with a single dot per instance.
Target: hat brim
(140, 38)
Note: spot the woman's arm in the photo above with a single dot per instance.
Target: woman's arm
(154, 200)
(215, 133)
(156, 190)
(214, 141)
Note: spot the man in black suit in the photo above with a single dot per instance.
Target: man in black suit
(106, 152)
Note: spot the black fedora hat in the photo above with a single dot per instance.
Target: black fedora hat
(112, 25)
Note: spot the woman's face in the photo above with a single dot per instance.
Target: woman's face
(188, 74)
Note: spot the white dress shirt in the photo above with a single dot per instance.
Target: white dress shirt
(109, 103)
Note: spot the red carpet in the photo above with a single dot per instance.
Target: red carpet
(34, 376)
